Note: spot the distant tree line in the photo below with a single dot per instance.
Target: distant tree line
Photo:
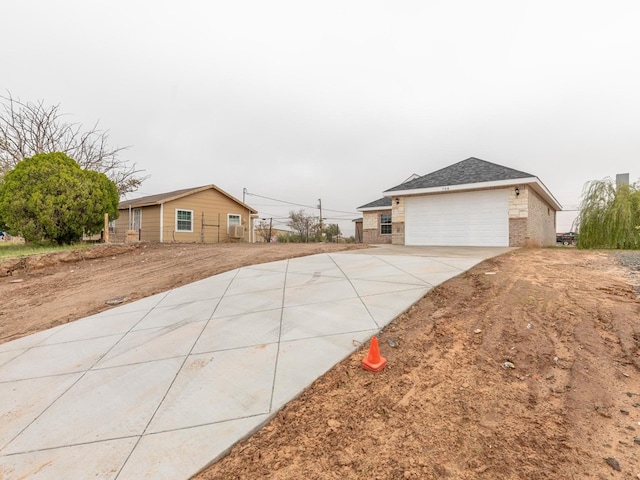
(304, 228)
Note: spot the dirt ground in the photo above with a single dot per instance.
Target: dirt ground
(525, 367)
(46, 290)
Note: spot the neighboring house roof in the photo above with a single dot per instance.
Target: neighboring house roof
(161, 198)
(380, 204)
(470, 174)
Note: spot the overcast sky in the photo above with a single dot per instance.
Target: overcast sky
(338, 100)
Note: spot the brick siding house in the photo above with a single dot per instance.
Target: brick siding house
(469, 203)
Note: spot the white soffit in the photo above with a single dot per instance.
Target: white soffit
(535, 183)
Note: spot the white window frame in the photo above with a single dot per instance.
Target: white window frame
(386, 224)
(177, 224)
(234, 215)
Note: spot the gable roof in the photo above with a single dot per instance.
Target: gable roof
(161, 198)
(385, 202)
(413, 176)
(471, 170)
(472, 173)
(380, 204)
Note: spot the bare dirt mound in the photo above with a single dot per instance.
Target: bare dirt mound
(42, 291)
(527, 366)
(26, 264)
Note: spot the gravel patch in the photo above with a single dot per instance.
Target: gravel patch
(630, 259)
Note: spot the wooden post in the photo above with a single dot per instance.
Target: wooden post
(106, 228)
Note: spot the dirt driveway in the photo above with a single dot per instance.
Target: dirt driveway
(527, 366)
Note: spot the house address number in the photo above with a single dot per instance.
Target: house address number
(445, 188)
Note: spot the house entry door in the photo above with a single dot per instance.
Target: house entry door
(137, 219)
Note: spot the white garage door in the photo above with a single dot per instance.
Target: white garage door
(467, 218)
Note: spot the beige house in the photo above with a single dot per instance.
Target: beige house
(469, 203)
(205, 214)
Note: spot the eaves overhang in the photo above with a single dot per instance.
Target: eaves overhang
(373, 209)
(533, 182)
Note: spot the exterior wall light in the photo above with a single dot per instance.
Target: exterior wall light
(397, 200)
(517, 191)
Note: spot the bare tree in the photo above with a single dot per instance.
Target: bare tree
(264, 229)
(332, 232)
(306, 226)
(27, 129)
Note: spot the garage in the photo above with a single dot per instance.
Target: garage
(470, 203)
(476, 218)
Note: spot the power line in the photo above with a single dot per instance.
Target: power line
(282, 201)
(266, 205)
(340, 211)
(271, 215)
(314, 207)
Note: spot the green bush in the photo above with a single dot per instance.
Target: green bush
(49, 197)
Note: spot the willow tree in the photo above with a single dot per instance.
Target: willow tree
(609, 215)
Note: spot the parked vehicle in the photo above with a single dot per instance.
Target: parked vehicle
(568, 238)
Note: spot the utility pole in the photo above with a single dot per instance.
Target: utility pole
(270, 227)
(320, 207)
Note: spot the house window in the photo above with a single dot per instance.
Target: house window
(184, 220)
(112, 226)
(233, 219)
(385, 224)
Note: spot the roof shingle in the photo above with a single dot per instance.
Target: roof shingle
(157, 198)
(161, 198)
(381, 203)
(471, 170)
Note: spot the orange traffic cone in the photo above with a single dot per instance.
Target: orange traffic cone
(374, 362)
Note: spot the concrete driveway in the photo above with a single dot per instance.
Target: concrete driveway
(162, 387)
